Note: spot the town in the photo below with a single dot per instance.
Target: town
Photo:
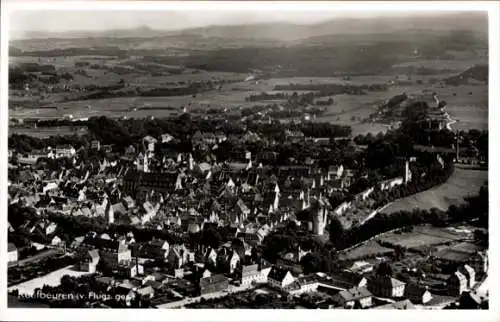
(199, 219)
(267, 201)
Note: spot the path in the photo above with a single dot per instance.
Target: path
(230, 290)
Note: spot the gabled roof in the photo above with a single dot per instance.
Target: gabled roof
(354, 294)
(12, 247)
(387, 280)
(145, 290)
(214, 279)
(277, 274)
(414, 290)
(94, 254)
(401, 305)
(248, 270)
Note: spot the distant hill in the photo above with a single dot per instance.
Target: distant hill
(475, 22)
(477, 73)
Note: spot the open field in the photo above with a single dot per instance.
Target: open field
(470, 111)
(45, 132)
(369, 249)
(422, 236)
(442, 64)
(51, 279)
(462, 183)
(468, 104)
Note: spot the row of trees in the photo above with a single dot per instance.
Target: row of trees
(475, 208)
(122, 132)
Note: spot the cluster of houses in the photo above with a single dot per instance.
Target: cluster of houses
(146, 188)
(143, 188)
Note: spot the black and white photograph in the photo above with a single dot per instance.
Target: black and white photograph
(259, 157)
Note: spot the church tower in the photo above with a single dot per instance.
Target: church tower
(319, 218)
(142, 163)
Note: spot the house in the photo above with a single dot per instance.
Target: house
(234, 260)
(95, 145)
(108, 148)
(457, 283)
(155, 249)
(166, 138)
(335, 172)
(75, 244)
(354, 297)
(250, 274)
(56, 241)
(348, 279)
(65, 151)
(228, 260)
(48, 228)
(12, 253)
(130, 269)
(146, 292)
(471, 301)
(213, 284)
(360, 267)
(417, 294)
(113, 253)
(386, 286)
(149, 143)
(206, 273)
(89, 262)
(211, 257)
(470, 274)
(125, 295)
(177, 256)
(304, 284)
(479, 262)
(279, 278)
(400, 305)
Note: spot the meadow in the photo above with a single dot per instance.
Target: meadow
(423, 236)
(369, 249)
(461, 184)
(467, 104)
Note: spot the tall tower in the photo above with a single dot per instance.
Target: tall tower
(319, 216)
(276, 197)
(407, 171)
(191, 162)
(110, 214)
(143, 163)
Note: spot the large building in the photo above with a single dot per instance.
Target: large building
(137, 183)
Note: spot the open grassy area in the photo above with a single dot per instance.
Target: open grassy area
(45, 132)
(462, 183)
(422, 236)
(468, 104)
(442, 64)
(369, 249)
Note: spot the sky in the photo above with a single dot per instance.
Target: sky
(60, 21)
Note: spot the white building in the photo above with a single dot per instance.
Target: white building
(280, 278)
(65, 151)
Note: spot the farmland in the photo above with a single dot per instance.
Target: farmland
(463, 183)
(135, 73)
(45, 132)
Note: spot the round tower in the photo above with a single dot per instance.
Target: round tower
(318, 213)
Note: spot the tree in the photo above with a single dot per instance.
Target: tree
(211, 237)
(337, 232)
(384, 269)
